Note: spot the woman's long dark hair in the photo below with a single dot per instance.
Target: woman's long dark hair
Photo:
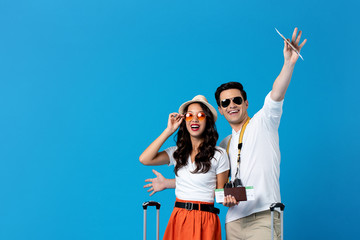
(206, 149)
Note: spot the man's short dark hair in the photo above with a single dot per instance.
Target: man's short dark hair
(229, 85)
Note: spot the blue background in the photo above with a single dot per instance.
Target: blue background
(85, 86)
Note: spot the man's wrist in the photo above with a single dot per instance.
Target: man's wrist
(289, 64)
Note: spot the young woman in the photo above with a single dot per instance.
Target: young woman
(200, 167)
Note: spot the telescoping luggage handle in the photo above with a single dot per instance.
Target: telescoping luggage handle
(272, 208)
(157, 205)
(151, 203)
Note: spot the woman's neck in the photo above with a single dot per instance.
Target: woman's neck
(196, 142)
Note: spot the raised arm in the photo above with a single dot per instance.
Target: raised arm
(282, 82)
(151, 155)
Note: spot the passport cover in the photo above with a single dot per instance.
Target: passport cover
(238, 192)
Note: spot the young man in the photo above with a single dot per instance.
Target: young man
(260, 154)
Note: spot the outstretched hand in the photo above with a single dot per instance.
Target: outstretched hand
(156, 184)
(289, 54)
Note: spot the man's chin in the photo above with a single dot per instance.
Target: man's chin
(233, 119)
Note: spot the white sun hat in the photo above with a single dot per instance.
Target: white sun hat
(199, 99)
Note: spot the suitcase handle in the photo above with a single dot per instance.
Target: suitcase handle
(272, 208)
(145, 205)
(277, 205)
(151, 203)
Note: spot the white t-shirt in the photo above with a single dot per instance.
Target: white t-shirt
(260, 159)
(198, 186)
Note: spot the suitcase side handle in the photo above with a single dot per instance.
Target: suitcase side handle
(277, 205)
(151, 203)
(272, 208)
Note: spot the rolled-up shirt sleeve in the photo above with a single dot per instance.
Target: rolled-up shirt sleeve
(272, 111)
(170, 151)
(223, 162)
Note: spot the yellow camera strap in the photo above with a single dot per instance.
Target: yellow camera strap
(240, 143)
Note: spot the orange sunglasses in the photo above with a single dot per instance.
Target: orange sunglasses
(189, 116)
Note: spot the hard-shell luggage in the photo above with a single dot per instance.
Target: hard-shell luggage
(272, 208)
(157, 205)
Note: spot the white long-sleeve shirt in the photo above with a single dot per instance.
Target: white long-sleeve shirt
(260, 159)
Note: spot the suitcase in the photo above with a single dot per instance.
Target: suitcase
(157, 205)
(272, 208)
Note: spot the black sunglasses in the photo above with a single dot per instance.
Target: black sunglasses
(226, 102)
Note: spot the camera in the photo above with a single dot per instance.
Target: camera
(232, 184)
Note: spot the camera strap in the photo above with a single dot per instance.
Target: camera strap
(239, 145)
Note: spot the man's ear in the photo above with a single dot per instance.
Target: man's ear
(220, 110)
(246, 104)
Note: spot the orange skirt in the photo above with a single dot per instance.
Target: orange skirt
(193, 225)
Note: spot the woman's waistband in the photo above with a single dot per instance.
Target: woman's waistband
(196, 205)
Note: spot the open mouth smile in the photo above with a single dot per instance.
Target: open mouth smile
(195, 127)
(233, 112)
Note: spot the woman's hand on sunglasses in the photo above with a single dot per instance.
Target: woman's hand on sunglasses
(174, 121)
